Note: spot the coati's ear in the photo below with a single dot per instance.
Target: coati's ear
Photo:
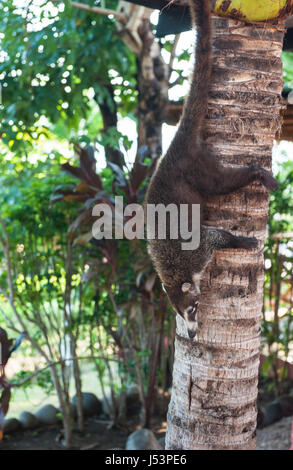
(186, 286)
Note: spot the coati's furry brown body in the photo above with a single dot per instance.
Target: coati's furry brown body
(186, 175)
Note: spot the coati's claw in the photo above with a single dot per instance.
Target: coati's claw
(269, 181)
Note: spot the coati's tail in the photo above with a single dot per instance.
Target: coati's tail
(195, 106)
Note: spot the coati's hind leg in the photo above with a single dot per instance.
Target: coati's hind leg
(218, 239)
(227, 180)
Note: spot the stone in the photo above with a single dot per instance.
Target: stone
(28, 420)
(105, 409)
(11, 425)
(143, 439)
(47, 415)
(286, 403)
(161, 441)
(273, 413)
(133, 403)
(90, 403)
(104, 417)
(73, 411)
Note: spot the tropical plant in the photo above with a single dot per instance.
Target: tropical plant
(7, 347)
(278, 298)
(129, 304)
(40, 276)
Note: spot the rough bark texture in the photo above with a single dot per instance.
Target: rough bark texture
(153, 78)
(110, 120)
(213, 403)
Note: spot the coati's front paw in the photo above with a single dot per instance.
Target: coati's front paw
(268, 180)
(247, 243)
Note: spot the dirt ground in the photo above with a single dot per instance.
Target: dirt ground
(99, 436)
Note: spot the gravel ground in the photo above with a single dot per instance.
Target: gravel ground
(277, 436)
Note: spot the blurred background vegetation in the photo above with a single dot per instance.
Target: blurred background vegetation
(71, 101)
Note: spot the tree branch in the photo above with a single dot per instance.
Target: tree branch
(9, 321)
(173, 53)
(51, 364)
(97, 10)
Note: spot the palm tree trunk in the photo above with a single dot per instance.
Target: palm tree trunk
(213, 402)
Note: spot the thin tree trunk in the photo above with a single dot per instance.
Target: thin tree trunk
(64, 404)
(153, 80)
(276, 325)
(110, 120)
(157, 337)
(213, 403)
(72, 336)
(78, 386)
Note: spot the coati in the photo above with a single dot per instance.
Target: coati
(186, 175)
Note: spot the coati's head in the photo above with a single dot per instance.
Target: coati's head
(185, 300)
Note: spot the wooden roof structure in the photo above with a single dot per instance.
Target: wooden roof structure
(173, 20)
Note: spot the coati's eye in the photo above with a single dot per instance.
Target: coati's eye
(190, 310)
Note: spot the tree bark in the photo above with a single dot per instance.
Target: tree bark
(110, 119)
(78, 385)
(215, 377)
(64, 404)
(153, 82)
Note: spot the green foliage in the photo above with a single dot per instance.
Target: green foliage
(281, 201)
(38, 236)
(60, 67)
(50, 60)
(287, 60)
(277, 333)
(43, 379)
(129, 313)
(36, 229)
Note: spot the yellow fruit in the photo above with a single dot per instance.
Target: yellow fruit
(250, 10)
